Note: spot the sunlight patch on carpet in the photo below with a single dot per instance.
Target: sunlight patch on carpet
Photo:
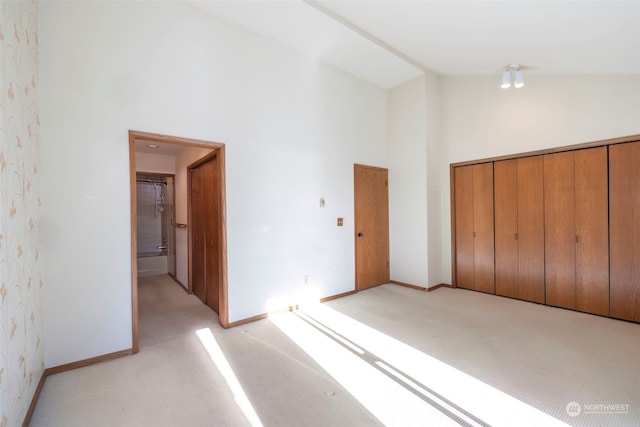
(217, 356)
(398, 384)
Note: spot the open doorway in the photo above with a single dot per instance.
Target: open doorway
(155, 224)
(181, 149)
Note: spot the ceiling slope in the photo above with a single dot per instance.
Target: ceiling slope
(389, 42)
(307, 30)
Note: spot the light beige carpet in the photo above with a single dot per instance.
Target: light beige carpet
(386, 356)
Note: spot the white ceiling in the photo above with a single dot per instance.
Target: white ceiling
(388, 42)
(163, 148)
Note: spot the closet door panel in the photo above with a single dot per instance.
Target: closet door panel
(560, 250)
(484, 248)
(506, 224)
(530, 207)
(210, 234)
(624, 200)
(463, 195)
(198, 269)
(592, 231)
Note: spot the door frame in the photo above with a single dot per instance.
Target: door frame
(223, 312)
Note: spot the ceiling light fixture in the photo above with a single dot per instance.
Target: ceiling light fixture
(519, 79)
(153, 146)
(515, 71)
(506, 79)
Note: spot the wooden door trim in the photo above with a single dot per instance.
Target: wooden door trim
(201, 161)
(223, 313)
(594, 144)
(134, 241)
(358, 165)
(452, 213)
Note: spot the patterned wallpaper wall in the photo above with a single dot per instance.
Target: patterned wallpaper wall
(21, 346)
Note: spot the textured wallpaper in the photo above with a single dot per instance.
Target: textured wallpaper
(21, 352)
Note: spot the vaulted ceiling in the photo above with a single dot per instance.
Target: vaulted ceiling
(389, 42)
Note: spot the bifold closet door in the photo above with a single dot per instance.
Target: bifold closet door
(624, 201)
(519, 224)
(576, 230)
(506, 223)
(592, 231)
(198, 238)
(474, 231)
(210, 222)
(205, 226)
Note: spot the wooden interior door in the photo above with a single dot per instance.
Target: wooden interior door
(624, 209)
(371, 210)
(205, 226)
(198, 268)
(464, 226)
(484, 244)
(560, 245)
(592, 231)
(530, 237)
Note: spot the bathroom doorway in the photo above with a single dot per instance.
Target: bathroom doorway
(155, 202)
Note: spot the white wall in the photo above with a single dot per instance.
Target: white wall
(481, 120)
(293, 129)
(407, 139)
(155, 163)
(415, 161)
(434, 166)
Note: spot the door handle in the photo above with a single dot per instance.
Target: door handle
(360, 234)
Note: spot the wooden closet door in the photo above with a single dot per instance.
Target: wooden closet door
(592, 231)
(559, 215)
(484, 245)
(198, 267)
(475, 254)
(463, 199)
(519, 222)
(530, 231)
(210, 220)
(624, 208)
(506, 223)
